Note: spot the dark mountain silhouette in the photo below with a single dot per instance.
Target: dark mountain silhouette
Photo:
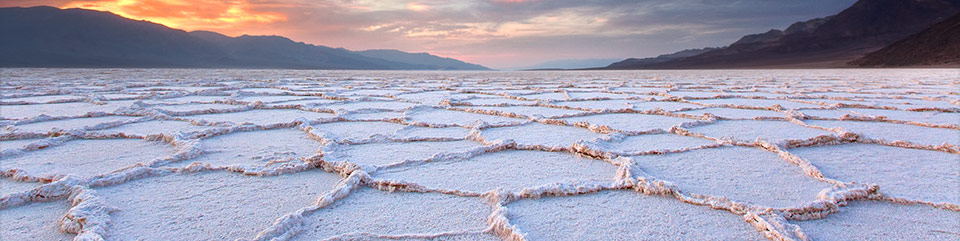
(832, 41)
(419, 58)
(628, 63)
(52, 37)
(938, 45)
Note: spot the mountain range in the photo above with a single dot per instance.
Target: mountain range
(53, 37)
(871, 33)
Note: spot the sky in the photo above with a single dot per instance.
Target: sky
(494, 33)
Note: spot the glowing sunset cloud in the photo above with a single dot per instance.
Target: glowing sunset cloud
(184, 14)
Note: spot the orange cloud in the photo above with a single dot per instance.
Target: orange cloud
(185, 14)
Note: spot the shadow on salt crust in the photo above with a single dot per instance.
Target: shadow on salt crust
(368, 210)
(256, 148)
(34, 221)
(895, 132)
(540, 134)
(41, 99)
(631, 122)
(70, 124)
(624, 215)
(511, 170)
(384, 153)
(459, 118)
(763, 103)
(260, 117)
(873, 220)
(88, 157)
(908, 173)
(9, 186)
(599, 104)
(272, 98)
(188, 99)
(750, 130)
(930, 117)
(377, 115)
(188, 108)
(358, 130)
(495, 101)
(741, 174)
(57, 110)
(427, 132)
(531, 111)
(664, 105)
(373, 105)
(168, 127)
(209, 205)
(653, 142)
(732, 113)
(15, 144)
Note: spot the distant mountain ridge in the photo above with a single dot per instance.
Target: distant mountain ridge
(52, 37)
(833, 41)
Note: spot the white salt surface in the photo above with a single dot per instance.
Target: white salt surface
(370, 155)
(739, 173)
(396, 214)
(540, 134)
(631, 122)
(625, 215)
(71, 124)
(871, 220)
(908, 173)
(260, 117)
(35, 221)
(209, 205)
(750, 130)
(87, 157)
(895, 132)
(510, 170)
(256, 148)
(384, 153)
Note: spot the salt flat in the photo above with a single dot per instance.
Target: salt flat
(374, 155)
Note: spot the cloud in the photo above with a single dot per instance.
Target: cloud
(497, 33)
(186, 14)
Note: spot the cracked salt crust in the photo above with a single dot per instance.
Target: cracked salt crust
(374, 155)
